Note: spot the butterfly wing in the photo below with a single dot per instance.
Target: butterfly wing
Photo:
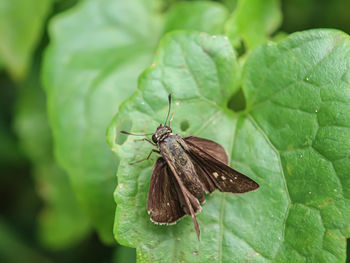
(224, 177)
(163, 199)
(168, 199)
(212, 148)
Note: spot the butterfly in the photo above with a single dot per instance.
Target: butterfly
(187, 169)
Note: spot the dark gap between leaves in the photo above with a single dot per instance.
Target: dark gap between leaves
(241, 48)
(237, 101)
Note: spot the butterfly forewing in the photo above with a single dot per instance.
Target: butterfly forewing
(181, 165)
(163, 198)
(212, 148)
(224, 177)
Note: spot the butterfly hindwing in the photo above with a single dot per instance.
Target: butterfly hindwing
(168, 198)
(163, 198)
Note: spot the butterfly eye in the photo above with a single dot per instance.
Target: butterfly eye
(154, 138)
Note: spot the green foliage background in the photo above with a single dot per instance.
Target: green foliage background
(74, 73)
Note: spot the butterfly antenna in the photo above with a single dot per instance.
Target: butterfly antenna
(172, 117)
(167, 117)
(134, 134)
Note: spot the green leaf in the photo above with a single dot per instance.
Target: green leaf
(253, 21)
(58, 227)
(304, 112)
(124, 254)
(231, 4)
(97, 52)
(58, 219)
(21, 26)
(203, 16)
(293, 139)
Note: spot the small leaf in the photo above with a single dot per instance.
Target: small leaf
(253, 21)
(293, 139)
(203, 16)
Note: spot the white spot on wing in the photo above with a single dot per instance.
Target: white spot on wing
(215, 174)
(223, 177)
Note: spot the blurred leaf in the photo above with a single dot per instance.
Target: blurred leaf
(253, 21)
(14, 250)
(98, 50)
(58, 220)
(31, 122)
(293, 139)
(62, 223)
(278, 37)
(231, 4)
(21, 26)
(201, 16)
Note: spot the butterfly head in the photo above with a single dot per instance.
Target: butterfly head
(161, 133)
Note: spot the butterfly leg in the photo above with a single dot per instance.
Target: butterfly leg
(149, 155)
(147, 140)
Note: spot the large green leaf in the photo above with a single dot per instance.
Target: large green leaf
(293, 139)
(21, 25)
(98, 50)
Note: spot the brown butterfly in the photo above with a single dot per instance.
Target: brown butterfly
(188, 168)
